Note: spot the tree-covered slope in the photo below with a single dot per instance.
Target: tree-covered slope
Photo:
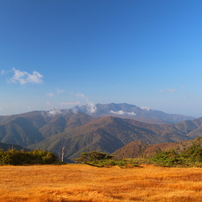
(30, 128)
(107, 134)
(6, 147)
(139, 149)
(20, 131)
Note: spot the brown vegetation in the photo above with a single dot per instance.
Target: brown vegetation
(81, 183)
(138, 149)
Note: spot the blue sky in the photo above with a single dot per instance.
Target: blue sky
(60, 53)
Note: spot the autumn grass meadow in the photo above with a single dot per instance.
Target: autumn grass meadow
(84, 183)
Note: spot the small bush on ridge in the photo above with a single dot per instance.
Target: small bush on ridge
(99, 159)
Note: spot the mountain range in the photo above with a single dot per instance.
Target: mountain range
(129, 111)
(104, 128)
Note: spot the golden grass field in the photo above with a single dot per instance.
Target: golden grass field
(79, 183)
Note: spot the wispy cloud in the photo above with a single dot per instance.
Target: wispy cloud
(80, 95)
(3, 72)
(161, 91)
(50, 94)
(171, 90)
(23, 77)
(29, 108)
(70, 103)
(59, 91)
(91, 107)
(167, 90)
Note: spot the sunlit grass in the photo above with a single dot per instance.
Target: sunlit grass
(85, 183)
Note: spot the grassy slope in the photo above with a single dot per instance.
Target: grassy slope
(91, 184)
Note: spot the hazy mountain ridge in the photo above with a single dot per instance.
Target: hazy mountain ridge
(131, 111)
(32, 127)
(20, 131)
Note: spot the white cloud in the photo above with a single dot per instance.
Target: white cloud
(80, 95)
(91, 107)
(145, 108)
(3, 72)
(50, 94)
(59, 91)
(121, 112)
(23, 77)
(54, 112)
(131, 113)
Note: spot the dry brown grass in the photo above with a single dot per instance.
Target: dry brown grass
(81, 183)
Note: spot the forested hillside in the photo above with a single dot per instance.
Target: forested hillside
(78, 132)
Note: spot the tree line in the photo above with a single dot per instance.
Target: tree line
(15, 157)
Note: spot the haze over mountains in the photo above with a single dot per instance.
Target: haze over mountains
(104, 128)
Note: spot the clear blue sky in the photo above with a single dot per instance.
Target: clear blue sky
(59, 53)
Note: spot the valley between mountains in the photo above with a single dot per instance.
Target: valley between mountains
(111, 128)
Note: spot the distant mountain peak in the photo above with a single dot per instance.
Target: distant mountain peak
(125, 110)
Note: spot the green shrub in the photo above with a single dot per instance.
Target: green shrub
(92, 156)
(14, 157)
(193, 153)
(167, 158)
(192, 156)
(98, 159)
